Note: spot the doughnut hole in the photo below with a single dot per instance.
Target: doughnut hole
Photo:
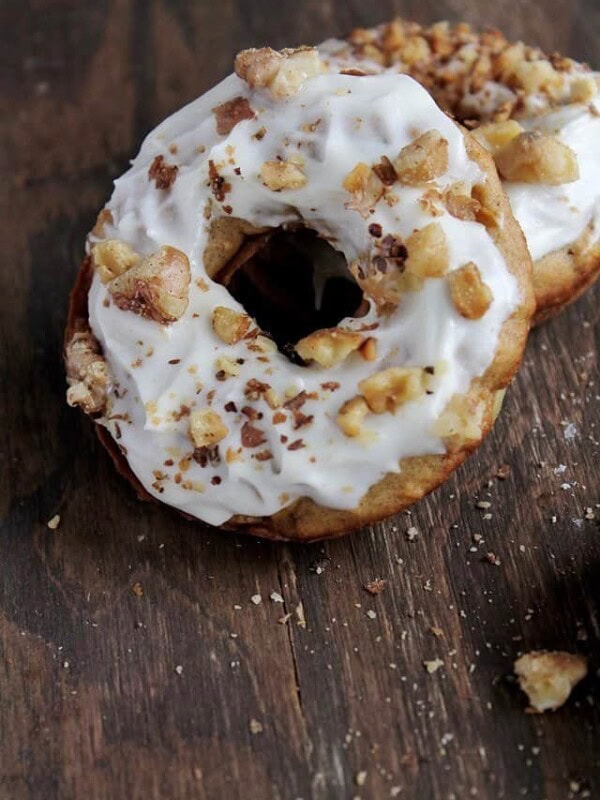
(292, 282)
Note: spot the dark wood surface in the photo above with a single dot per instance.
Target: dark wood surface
(96, 616)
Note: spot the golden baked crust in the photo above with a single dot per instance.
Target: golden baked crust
(304, 519)
(563, 276)
(424, 52)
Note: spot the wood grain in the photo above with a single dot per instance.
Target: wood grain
(92, 704)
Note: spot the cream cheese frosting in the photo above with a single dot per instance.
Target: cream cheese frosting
(551, 216)
(161, 373)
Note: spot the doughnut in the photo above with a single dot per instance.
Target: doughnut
(538, 115)
(299, 310)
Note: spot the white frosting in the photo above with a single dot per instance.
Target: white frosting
(361, 120)
(555, 216)
(551, 216)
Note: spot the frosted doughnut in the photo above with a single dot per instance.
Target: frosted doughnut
(288, 181)
(538, 115)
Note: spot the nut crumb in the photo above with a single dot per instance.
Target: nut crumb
(547, 678)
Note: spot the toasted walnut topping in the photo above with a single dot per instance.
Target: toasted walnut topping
(207, 428)
(365, 187)
(389, 389)
(539, 76)
(547, 678)
(283, 72)
(460, 203)
(470, 295)
(351, 416)
(113, 257)
(278, 175)
(427, 252)
(415, 50)
(536, 158)
(423, 160)
(163, 174)
(583, 90)
(229, 325)
(226, 368)
(228, 114)
(226, 237)
(368, 349)
(272, 398)
(461, 422)
(87, 373)
(328, 346)
(156, 288)
(104, 218)
(495, 135)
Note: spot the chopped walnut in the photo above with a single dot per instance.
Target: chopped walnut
(423, 160)
(278, 175)
(460, 203)
(415, 50)
(470, 295)
(229, 325)
(206, 428)
(387, 390)
(283, 72)
(427, 252)
(461, 422)
(104, 218)
(366, 188)
(226, 368)
(547, 678)
(351, 416)
(539, 76)
(368, 349)
(87, 373)
(537, 158)
(228, 114)
(156, 288)
(163, 174)
(583, 90)
(113, 257)
(495, 135)
(329, 346)
(226, 237)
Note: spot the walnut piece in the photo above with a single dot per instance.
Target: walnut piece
(470, 295)
(387, 390)
(460, 203)
(539, 76)
(547, 678)
(156, 288)
(428, 255)
(206, 428)
(163, 174)
(583, 90)
(229, 325)
(278, 175)
(284, 72)
(537, 158)
(226, 368)
(423, 160)
(228, 114)
(495, 135)
(113, 257)
(87, 373)
(104, 218)
(329, 346)
(366, 188)
(352, 414)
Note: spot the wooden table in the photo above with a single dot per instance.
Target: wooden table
(133, 663)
